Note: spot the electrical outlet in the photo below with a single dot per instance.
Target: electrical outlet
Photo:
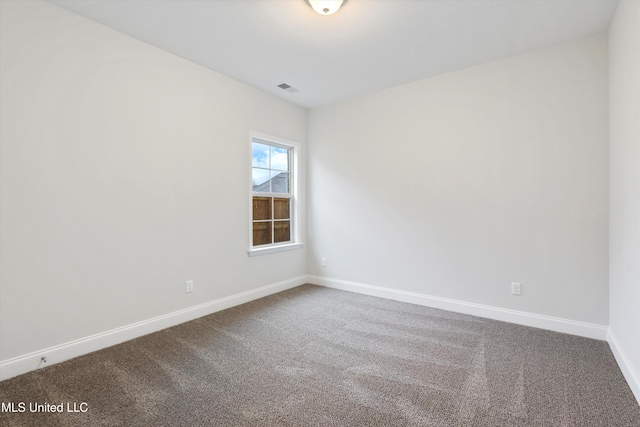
(324, 262)
(516, 288)
(188, 286)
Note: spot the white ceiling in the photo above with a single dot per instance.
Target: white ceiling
(366, 46)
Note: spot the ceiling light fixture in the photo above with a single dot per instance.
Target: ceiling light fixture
(326, 7)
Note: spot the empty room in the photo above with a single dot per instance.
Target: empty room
(335, 213)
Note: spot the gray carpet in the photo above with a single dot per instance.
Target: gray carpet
(313, 356)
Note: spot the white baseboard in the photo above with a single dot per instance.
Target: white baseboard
(572, 327)
(630, 374)
(29, 362)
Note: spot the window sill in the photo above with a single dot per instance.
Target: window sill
(273, 249)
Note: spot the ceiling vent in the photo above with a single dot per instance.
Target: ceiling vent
(287, 87)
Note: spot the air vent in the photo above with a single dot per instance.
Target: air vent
(287, 87)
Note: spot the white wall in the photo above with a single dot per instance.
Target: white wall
(121, 178)
(457, 185)
(123, 175)
(624, 225)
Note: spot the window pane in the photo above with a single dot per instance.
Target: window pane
(271, 174)
(279, 159)
(280, 208)
(260, 180)
(260, 155)
(261, 233)
(279, 182)
(281, 229)
(261, 208)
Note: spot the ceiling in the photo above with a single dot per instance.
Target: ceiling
(367, 45)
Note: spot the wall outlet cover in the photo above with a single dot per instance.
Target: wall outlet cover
(516, 288)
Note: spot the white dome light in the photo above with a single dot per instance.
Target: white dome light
(326, 7)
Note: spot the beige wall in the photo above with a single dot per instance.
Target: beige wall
(125, 172)
(457, 185)
(624, 241)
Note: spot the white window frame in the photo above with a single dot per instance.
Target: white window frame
(294, 211)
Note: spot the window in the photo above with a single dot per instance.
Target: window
(272, 195)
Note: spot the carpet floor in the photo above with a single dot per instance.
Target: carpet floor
(313, 356)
